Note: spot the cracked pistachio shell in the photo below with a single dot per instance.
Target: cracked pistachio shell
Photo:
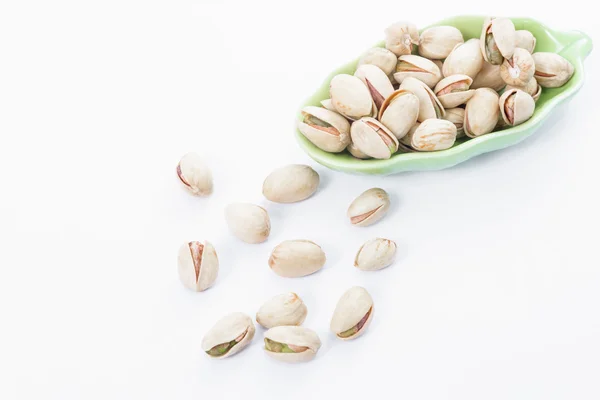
(525, 40)
(248, 222)
(406, 141)
(380, 57)
(375, 254)
(376, 81)
(198, 265)
(516, 106)
(437, 42)
(326, 129)
(369, 207)
(303, 343)
(400, 38)
(429, 105)
(353, 313)
(552, 70)
(283, 309)
(489, 77)
(236, 328)
(434, 134)
(195, 175)
(518, 69)
(481, 113)
(418, 67)
(296, 258)
(292, 183)
(465, 58)
(498, 40)
(399, 112)
(372, 138)
(454, 90)
(350, 96)
(532, 88)
(328, 105)
(457, 117)
(356, 153)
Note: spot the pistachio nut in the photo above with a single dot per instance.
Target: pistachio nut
(380, 57)
(552, 70)
(356, 153)
(375, 254)
(195, 175)
(283, 309)
(350, 96)
(457, 117)
(291, 183)
(429, 105)
(454, 90)
(481, 113)
(326, 129)
(399, 112)
(373, 139)
(437, 42)
(518, 69)
(434, 134)
(406, 141)
(489, 77)
(369, 207)
(516, 106)
(400, 38)
(198, 265)
(532, 88)
(296, 258)
(228, 336)
(248, 222)
(328, 105)
(352, 314)
(465, 58)
(376, 81)
(525, 40)
(291, 343)
(498, 40)
(418, 67)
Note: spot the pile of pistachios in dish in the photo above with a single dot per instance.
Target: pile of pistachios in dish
(398, 101)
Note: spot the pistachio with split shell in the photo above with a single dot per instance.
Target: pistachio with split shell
(429, 105)
(292, 183)
(372, 138)
(195, 175)
(369, 207)
(283, 309)
(228, 336)
(296, 258)
(353, 313)
(481, 113)
(532, 88)
(326, 129)
(400, 38)
(434, 134)
(399, 112)
(356, 153)
(437, 42)
(518, 69)
(328, 105)
(418, 67)
(375, 254)
(406, 141)
(498, 40)
(457, 117)
(454, 90)
(380, 57)
(552, 70)
(350, 96)
(198, 265)
(516, 106)
(291, 343)
(376, 81)
(465, 58)
(489, 77)
(248, 222)
(525, 40)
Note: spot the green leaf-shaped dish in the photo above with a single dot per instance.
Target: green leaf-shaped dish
(573, 45)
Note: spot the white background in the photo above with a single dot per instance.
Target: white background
(496, 289)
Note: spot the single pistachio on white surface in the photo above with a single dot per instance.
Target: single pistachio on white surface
(525, 40)
(489, 77)
(376, 81)
(399, 112)
(437, 42)
(248, 222)
(552, 70)
(434, 134)
(372, 138)
(291, 343)
(283, 309)
(292, 183)
(481, 113)
(296, 258)
(532, 88)
(195, 175)
(228, 336)
(356, 153)
(375, 254)
(328, 105)
(429, 105)
(406, 140)
(380, 57)
(198, 265)
(498, 40)
(454, 90)
(369, 207)
(350, 97)
(457, 117)
(353, 313)
(400, 38)
(465, 59)
(326, 129)
(516, 106)
(518, 69)
(418, 67)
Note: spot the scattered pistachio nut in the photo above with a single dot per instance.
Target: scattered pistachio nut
(489, 77)
(516, 106)
(291, 343)
(418, 67)
(283, 309)
(498, 40)
(457, 117)
(352, 314)
(434, 134)
(195, 175)
(437, 42)
(375, 254)
(376, 81)
(326, 129)
(518, 69)
(296, 258)
(369, 207)
(350, 97)
(380, 57)
(552, 70)
(400, 38)
(399, 112)
(481, 113)
(198, 265)
(525, 40)
(228, 336)
(292, 183)
(372, 138)
(465, 59)
(454, 90)
(248, 222)
(429, 105)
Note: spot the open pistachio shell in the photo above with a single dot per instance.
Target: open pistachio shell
(489, 77)
(356, 153)
(454, 90)
(437, 42)
(328, 105)
(296, 258)
(518, 69)
(481, 113)
(457, 117)
(418, 67)
(350, 96)
(292, 183)
(283, 309)
(352, 314)
(434, 134)
(326, 129)
(375, 254)
(400, 38)
(198, 265)
(369, 207)
(228, 336)
(525, 40)
(380, 57)
(516, 106)
(498, 40)
(399, 112)
(248, 222)
(376, 81)
(406, 141)
(465, 58)
(372, 138)
(291, 343)
(429, 105)
(552, 70)
(195, 175)
(532, 88)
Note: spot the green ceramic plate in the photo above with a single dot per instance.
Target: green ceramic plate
(573, 45)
